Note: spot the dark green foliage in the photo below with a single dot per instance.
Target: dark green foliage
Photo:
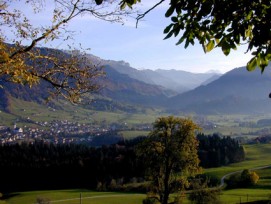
(223, 24)
(150, 201)
(201, 194)
(41, 200)
(215, 151)
(263, 139)
(247, 178)
(47, 166)
(170, 155)
(233, 181)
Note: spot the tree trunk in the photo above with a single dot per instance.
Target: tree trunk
(166, 183)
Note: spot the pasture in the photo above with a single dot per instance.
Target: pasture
(74, 197)
(257, 155)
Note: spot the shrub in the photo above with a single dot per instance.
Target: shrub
(249, 178)
(41, 200)
(201, 194)
(245, 179)
(149, 200)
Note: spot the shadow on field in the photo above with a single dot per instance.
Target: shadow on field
(9, 195)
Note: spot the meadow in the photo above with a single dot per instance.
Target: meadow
(257, 155)
(24, 112)
(74, 197)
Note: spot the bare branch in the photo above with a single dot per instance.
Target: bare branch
(140, 16)
(47, 33)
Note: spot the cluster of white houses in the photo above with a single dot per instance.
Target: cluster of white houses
(56, 132)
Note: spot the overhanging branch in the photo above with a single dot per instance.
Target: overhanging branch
(140, 16)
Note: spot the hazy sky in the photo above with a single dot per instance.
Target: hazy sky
(144, 47)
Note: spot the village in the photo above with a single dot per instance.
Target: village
(57, 132)
(65, 132)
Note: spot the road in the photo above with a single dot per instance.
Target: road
(222, 181)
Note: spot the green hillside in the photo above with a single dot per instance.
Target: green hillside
(28, 113)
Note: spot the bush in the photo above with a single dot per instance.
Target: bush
(201, 194)
(246, 179)
(149, 200)
(254, 178)
(233, 181)
(41, 200)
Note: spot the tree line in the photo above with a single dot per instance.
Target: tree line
(216, 150)
(41, 165)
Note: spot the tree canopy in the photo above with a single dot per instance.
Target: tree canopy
(214, 24)
(170, 155)
(68, 74)
(225, 24)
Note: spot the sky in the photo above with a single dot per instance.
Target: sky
(143, 47)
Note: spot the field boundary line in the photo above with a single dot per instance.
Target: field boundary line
(91, 197)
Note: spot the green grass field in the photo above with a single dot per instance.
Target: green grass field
(75, 197)
(229, 124)
(133, 134)
(22, 111)
(261, 191)
(257, 155)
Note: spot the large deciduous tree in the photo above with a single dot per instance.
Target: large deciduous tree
(170, 155)
(69, 74)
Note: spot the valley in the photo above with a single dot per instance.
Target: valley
(256, 157)
(234, 105)
(95, 111)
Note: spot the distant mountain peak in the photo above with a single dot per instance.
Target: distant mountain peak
(213, 71)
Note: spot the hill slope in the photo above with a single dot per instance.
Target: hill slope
(175, 80)
(121, 87)
(237, 91)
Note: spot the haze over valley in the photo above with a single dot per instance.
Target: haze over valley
(132, 99)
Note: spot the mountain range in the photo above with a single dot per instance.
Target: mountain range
(175, 81)
(235, 92)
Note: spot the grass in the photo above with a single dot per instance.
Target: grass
(261, 191)
(229, 124)
(6, 119)
(257, 155)
(244, 195)
(23, 110)
(73, 197)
